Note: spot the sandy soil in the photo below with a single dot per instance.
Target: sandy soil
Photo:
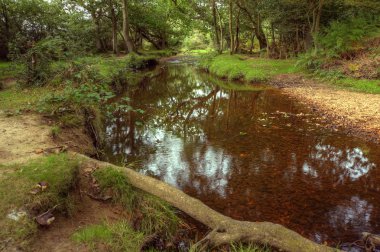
(23, 137)
(357, 113)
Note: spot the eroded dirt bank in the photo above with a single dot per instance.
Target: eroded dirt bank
(356, 113)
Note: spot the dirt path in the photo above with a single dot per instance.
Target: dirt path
(22, 137)
(357, 113)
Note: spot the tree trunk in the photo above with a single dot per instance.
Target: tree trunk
(215, 24)
(221, 31)
(224, 229)
(237, 30)
(232, 39)
(314, 30)
(127, 37)
(115, 47)
(260, 34)
(252, 42)
(99, 46)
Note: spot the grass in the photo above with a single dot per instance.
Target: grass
(157, 215)
(233, 85)
(240, 67)
(15, 98)
(239, 247)
(118, 236)
(9, 70)
(153, 217)
(358, 85)
(16, 182)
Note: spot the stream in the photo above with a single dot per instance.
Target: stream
(249, 152)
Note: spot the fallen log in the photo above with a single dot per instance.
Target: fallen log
(224, 229)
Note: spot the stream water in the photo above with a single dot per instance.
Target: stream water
(251, 153)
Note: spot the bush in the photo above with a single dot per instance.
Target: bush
(38, 61)
(341, 37)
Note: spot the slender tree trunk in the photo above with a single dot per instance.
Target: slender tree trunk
(252, 42)
(127, 37)
(230, 28)
(115, 48)
(316, 8)
(237, 41)
(215, 24)
(221, 31)
(99, 46)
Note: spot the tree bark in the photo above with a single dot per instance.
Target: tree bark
(237, 30)
(115, 47)
(224, 229)
(127, 37)
(215, 24)
(232, 39)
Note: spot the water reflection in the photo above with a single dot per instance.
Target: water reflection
(254, 155)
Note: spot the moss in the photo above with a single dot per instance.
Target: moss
(16, 182)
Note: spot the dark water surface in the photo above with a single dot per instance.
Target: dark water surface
(253, 155)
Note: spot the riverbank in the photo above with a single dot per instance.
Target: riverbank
(83, 207)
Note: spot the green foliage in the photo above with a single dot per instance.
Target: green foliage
(342, 36)
(197, 40)
(118, 236)
(16, 181)
(38, 61)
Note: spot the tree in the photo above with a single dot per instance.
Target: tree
(126, 27)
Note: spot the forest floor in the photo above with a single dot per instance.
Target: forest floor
(357, 113)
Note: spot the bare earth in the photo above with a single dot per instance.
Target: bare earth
(22, 137)
(357, 113)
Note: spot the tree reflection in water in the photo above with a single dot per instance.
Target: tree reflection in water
(250, 153)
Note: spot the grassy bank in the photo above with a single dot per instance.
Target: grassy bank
(240, 67)
(348, 83)
(18, 206)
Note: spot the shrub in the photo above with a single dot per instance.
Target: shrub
(38, 61)
(341, 36)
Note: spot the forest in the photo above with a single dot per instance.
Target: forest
(190, 125)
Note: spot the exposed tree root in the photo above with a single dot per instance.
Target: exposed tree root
(224, 229)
